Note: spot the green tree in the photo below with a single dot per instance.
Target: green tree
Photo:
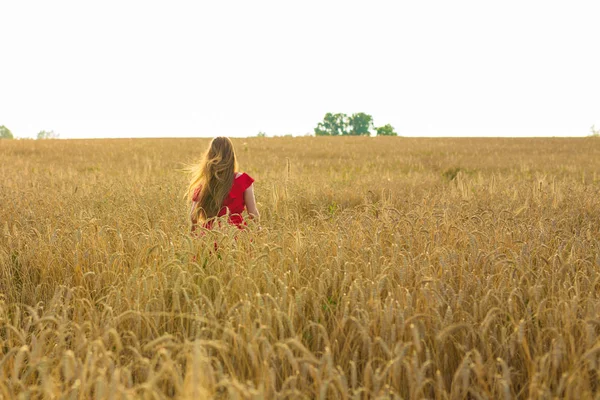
(361, 124)
(333, 125)
(47, 135)
(386, 130)
(5, 133)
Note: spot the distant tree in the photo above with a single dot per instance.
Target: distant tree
(47, 135)
(261, 134)
(594, 132)
(361, 124)
(5, 133)
(333, 125)
(386, 130)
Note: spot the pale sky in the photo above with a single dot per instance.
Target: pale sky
(133, 68)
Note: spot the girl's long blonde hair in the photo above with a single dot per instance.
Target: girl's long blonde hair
(214, 174)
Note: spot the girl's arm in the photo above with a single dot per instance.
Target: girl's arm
(251, 202)
(193, 214)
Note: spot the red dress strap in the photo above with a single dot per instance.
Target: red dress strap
(245, 181)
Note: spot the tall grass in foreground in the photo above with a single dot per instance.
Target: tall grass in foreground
(385, 268)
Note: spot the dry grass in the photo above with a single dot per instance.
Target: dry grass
(385, 268)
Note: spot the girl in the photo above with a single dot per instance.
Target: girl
(217, 190)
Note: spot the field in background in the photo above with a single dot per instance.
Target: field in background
(385, 267)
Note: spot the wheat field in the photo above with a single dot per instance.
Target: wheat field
(383, 268)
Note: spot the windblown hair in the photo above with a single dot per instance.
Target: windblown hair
(214, 174)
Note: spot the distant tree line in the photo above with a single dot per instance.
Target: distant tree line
(47, 135)
(358, 124)
(5, 133)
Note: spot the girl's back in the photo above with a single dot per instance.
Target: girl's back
(217, 190)
(235, 202)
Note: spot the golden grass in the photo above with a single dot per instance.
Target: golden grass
(385, 268)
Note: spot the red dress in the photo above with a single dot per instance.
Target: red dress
(234, 203)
